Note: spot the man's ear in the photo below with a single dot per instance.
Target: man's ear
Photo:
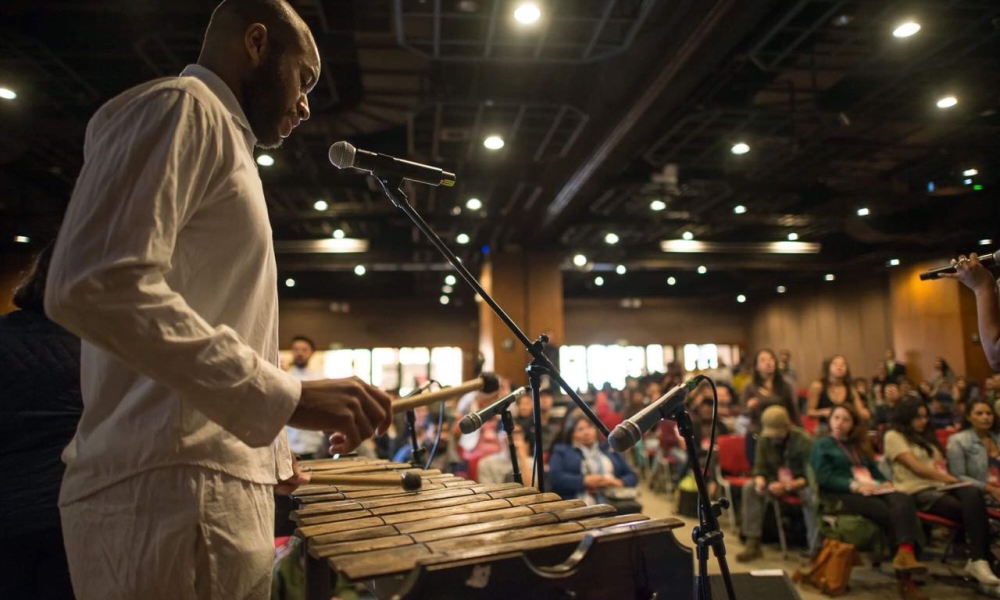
(255, 40)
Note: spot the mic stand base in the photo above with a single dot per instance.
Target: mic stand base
(707, 534)
(508, 428)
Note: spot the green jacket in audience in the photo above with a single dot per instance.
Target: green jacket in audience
(832, 466)
(792, 452)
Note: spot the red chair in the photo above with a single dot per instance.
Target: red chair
(952, 527)
(943, 435)
(732, 469)
(790, 500)
(993, 513)
(809, 424)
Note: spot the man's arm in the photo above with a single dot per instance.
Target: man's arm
(978, 279)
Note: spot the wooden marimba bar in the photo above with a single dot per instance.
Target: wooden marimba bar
(455, 538)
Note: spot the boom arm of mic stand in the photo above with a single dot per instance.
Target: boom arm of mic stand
(397, 197)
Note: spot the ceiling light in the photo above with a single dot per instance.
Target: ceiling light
(671, 280)
(905, 30)
(22, 239)
(842, 20)
(527, 13)
(493, 142)
(863, 212)
(579, 260)
(447, 289)
(793, 236)
(598, 281)
(687, 235)
(321, 205)
(657, 205)
(621, 270)
(696, 247)
(338, 234)
(977, 187)
(740, 148)
(781, 289)
(7, 93)
(611, 238)
(829, 277)
(970, 172)
(947, 102)
(739, 209)
(967, 181)
(456, 210)
(741, 298)
(462, 238)
(360, 270)
(450, 280)
(473, 204)
(265, 160)
(985, 242)
(290, 282)
(321, 246)
(893, 262)
(444, 299)
(702, 269)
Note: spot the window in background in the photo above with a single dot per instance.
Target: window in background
(700, 357)
(446, 365)
(655, 361)
(573, 366)
(385, 368)
(414, 368)
(348, 363)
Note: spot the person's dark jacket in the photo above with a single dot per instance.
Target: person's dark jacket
(566, 470)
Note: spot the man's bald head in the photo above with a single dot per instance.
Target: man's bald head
(232, 18)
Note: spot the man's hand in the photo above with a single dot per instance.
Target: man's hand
(971, 273)
(776, 488)
(759, 485)
(349, 408)
(299, 477)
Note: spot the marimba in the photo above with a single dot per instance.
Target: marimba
(455, 538)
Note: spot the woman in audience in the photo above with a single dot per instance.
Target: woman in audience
(942, 372)
(580, 467)
(833, 390)
(918, 469)
(767, 388)
(974, 452)
(846, 473)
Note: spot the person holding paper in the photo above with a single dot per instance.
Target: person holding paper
(847, 476)
(919, 469)
(974, 453)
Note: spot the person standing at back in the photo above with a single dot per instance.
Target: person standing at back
(165, 268)
(304, 444)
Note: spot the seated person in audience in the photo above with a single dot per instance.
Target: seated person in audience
(880, 378)
(924, 390)
(883, 412)
(833, 390)
(919, 469)
(766, 388)
(673, 448)
(863, 391)
(847, 475)
(942, 372)
(581, 467)
(974, 452)
(497, 468)
(779, 470)
(942, 407)
(550, 428)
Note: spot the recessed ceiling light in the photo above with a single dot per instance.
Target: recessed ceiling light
(829, 277)
(739, 209)
(671, 280)
(621, 270)
(687, 235)
(702, 269)
(321, 205)
(985, 242)
(444, 299)
(527, 13)
(265, 160)
(290, 282)
(473, 204)
(905, 30)
(893, 262)
(863, 212)
(579, 260)
(450, 280)
(657, 205)
(598, 281)
(781, 289)
(493, 142)
(967, 181)
(338, 234)
(740, 148)
(360, 270)
(22, 239)
(456, 210)
(462, 238)
(970, 172)
(7, 93)
(741, 298)
(611, 238)
(793, 236)
(447, 289)
(842, 20)
(947, 102)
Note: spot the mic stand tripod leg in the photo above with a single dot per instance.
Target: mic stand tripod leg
(417, 452)
(707, 534)
(535, 371)
(508, 428)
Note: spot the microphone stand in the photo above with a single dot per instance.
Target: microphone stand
(508, 428)
(418, 451)
(540, 362)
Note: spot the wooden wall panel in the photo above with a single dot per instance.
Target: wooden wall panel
(658, 321)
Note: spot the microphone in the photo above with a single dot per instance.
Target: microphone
(487, 383)
(988, 260)
(630, 431)
(343, 156)
(473, 421)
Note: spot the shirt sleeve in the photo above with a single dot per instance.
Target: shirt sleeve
(144, 176)
(957, 462)
(895, 444)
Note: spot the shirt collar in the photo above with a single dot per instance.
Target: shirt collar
(225, 95)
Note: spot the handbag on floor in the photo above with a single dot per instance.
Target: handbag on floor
(830, 570)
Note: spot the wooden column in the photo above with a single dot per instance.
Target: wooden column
(528, 287)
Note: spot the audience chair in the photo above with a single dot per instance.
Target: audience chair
(732, 469)
(809, 423)
(951, 526)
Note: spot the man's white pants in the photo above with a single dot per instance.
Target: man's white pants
(172, 533)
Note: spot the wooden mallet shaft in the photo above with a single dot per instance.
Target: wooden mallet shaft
(408, 480)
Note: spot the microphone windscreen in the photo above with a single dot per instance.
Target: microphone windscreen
(470, 423)
(342, 155)
(490, 383)
(621, 439)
